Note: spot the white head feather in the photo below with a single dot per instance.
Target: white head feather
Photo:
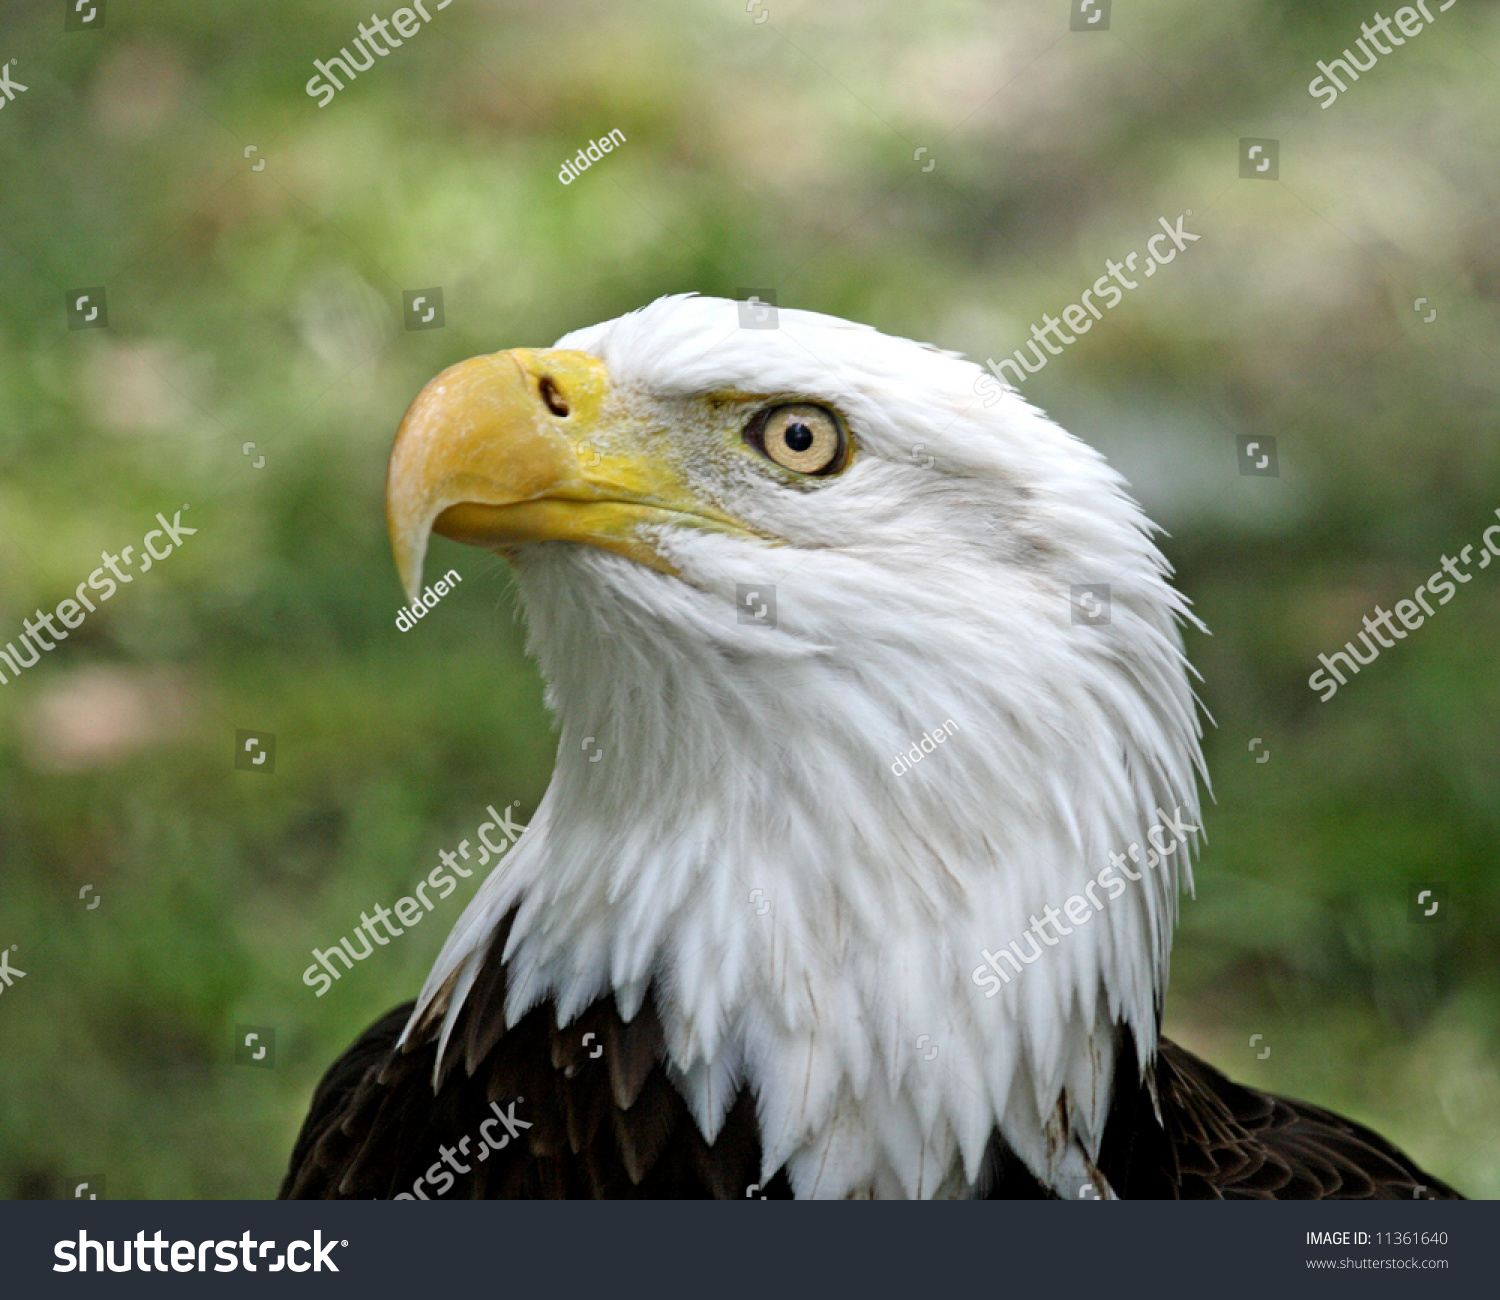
(929, 582)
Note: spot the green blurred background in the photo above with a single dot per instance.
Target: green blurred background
(266, 307)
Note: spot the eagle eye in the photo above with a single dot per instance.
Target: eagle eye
(801, 437)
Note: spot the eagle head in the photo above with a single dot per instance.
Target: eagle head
(835, 728)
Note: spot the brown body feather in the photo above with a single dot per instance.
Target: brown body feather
(610, 1124)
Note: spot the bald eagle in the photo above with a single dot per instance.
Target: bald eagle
(745, 946)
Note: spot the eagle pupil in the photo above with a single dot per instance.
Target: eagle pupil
(799, 437)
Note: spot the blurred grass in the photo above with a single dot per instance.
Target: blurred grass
(265, 307)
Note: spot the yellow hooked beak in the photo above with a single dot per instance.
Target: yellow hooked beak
(527, 446)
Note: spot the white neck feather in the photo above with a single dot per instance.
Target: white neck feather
(735, 776)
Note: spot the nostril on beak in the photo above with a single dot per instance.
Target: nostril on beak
(552, 398)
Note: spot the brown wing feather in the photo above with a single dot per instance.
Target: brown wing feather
(1230, 1142)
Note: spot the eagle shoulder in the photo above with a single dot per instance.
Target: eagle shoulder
(1230, 1142)
(592, 1113)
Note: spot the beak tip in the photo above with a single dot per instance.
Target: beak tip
(410, 552)
(411, 580)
